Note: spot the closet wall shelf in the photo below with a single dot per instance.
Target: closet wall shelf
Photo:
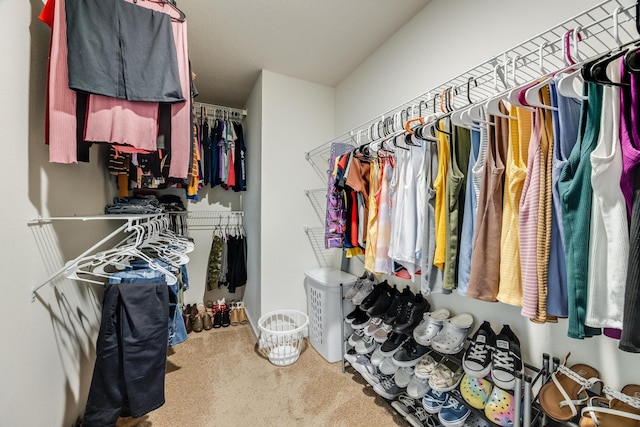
(131, 220)
(594, 26)
(220, 111)
(207, 220)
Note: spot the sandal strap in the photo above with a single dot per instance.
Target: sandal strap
(591, 410)
(625, 398)
(585, 384)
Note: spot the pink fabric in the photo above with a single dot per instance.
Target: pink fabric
(181, 112)
(61, 100)
(528, 223)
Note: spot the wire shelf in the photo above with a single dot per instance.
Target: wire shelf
(596, 36)
(206, 220)
(318, 199)
(325, 257)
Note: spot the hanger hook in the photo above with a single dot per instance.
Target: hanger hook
(469, 88)
(577, 37)
(540, 57)
(616, 24)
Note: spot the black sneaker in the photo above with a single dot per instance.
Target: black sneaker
(361, 320)
(477, 359)
(355, 313)
(388, 388)
(370, 299)
(411, 316)
(383, 302)
(405, 405)
(409, 354)
(392, 344)
(397, 305)
(226, 318)
(506, 359)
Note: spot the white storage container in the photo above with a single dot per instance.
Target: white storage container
(326, 324)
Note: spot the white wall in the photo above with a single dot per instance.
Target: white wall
(445, 39)
(296, 117)
(48, 346)
(252, 207)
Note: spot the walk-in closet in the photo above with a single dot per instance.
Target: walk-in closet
(342, 213)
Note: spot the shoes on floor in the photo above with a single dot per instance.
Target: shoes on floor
(506, 359)
(477, 359)
(453, 413)
(411, 315)
(198, 323)
(409, 354)
(475, 391)
(430, 325)
(452, 336)
(207, 322)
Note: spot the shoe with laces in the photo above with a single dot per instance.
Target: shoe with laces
(363, 291)
(411, 315)
(445, 378)
(360, 283)
(452, 336)
(475, 391)
(366, 345)
(405, 405)
(361, 321)
(409, 354)
(403, 376)
(381, 334)
(371, 299)
(420, 418)
(500, 407)
(430, 325)
(506, 359)
(383, 302)
(433, 401)
(388, 389)
(425, 367)
(374, 324)
(360, 363)
(453, 413)
(397, 305)
(353, 315)
(477, 359)
(387, 366)
(355, 337)
(393, 344)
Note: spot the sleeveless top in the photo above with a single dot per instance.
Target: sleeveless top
(440, 185)
(382, 262)
(609, 239)
(484, 280)
(372, 221)
(431, 275)
(574, 185)
(510, 291)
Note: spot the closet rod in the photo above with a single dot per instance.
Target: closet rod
(131, 219)
(231, 113)
(594, 24)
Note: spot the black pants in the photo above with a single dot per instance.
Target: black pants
(128, 377)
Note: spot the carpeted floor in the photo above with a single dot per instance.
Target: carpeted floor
(216, 378)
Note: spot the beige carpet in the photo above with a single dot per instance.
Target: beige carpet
(216, 378)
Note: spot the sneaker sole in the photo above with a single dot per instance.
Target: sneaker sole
(411, 419)
(456, 423)
(476, 374)
(368, 350)
(509, 385)
(383, 393)
(380, 340)
(405, 363)
(361, 326)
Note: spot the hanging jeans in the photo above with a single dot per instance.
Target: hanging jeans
(131, 352)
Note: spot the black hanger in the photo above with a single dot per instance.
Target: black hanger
(437, 128)
(469, 88)
(598, 70)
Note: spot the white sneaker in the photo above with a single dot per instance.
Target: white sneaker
(366, 345)
(374, 324)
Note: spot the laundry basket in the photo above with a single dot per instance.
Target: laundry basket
(282, 336)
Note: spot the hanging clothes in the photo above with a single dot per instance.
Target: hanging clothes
(576, 193)
(431, 274)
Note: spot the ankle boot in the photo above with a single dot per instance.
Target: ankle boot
(235, 320)
(207, 323)
(198, 323)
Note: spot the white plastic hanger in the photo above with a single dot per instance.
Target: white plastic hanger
(492, 105)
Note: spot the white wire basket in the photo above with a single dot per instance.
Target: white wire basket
(282, 336)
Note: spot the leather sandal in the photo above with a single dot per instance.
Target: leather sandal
(567, 390)
(235, 320)
(242, 314)
(621, 409)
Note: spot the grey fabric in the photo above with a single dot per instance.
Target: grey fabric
(122, 50)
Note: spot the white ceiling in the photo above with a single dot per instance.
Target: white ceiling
(320, 41)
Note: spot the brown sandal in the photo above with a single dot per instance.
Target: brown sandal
(622, 409)
(567, 390)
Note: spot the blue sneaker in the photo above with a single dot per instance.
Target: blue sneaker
(453, 413)
(433, 401)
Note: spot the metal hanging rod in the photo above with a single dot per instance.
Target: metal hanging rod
(596, 36)
(219, 111)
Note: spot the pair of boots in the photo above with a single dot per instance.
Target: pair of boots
(238, 313)
(220, 313)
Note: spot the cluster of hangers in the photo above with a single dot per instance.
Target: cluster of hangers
(150, 241)
(224, 226)
(396, 131)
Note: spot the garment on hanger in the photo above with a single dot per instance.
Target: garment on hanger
(575, 191)
(431, 274)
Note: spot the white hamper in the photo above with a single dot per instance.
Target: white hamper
(323, 308)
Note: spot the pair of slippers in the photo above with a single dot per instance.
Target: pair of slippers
(561, 397)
